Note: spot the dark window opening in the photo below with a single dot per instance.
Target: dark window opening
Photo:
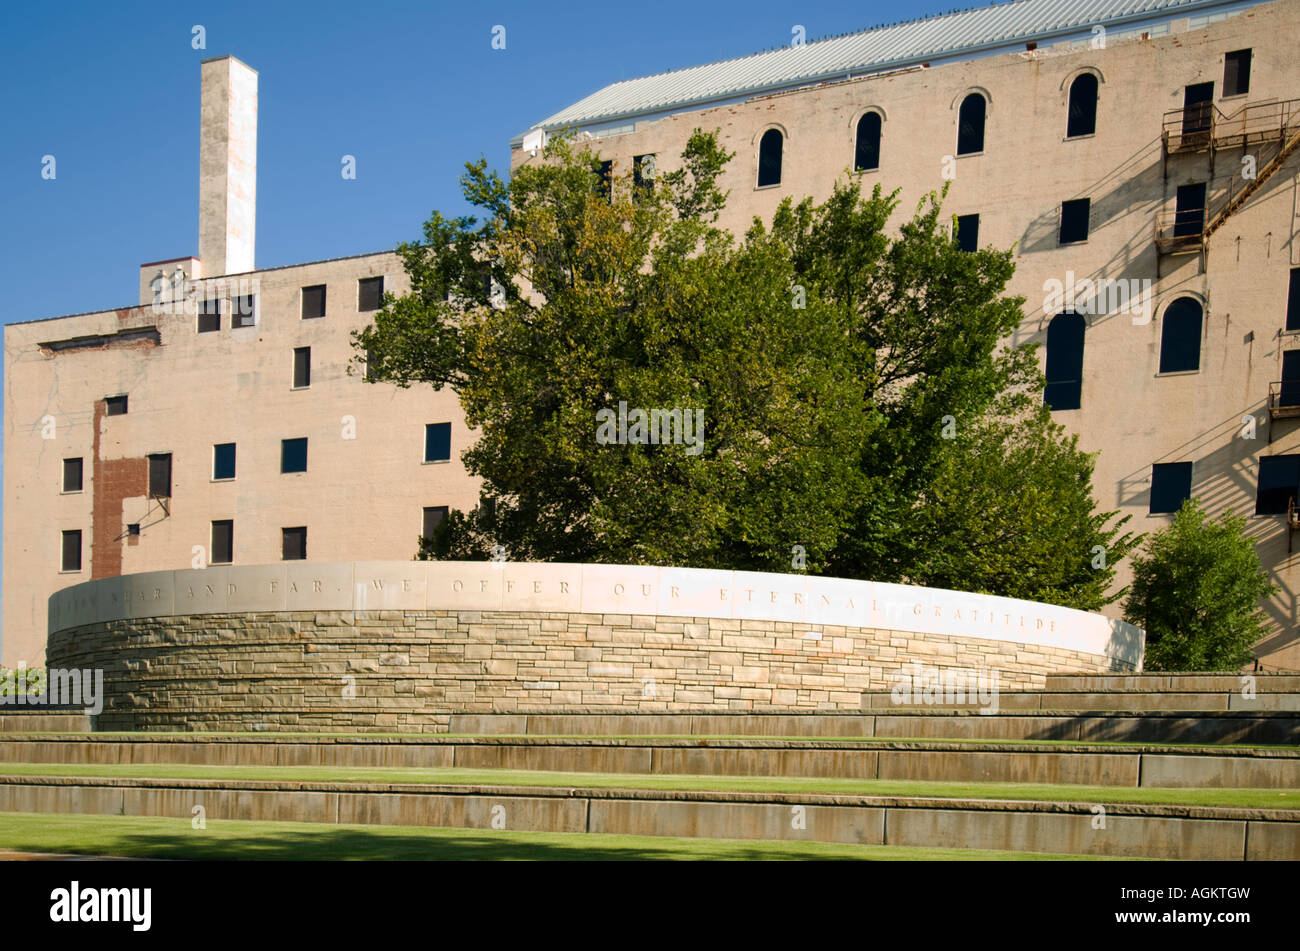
(1236, 73)
(293, 455)
(223, 460)
(968, 232)
(437, 442)
(210, 315)
(1189, 210)
(294, 543)
(606, 184)
(370, 293)
(867, 154)
(769, 158)
(1293, 301)
(643, 172)
(1180, 337)
(71, 551)
(160, 475)
(313, 301)
(1279, 483)
(301, 367)
(1197, 103)
(1171, 486)
(223, 542)
(1074, 220)
(72, 472)
(372, 365)
(433, 517)
(133, 529)
(1083, 106)
(970, 125)
(1065, 362)
(243, 311)
(115, 405)
(1289, 394)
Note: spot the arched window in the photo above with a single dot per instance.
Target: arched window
(970, 125)
(769, 158)
(1083, 106)
(867, 154)
(1180, 336)
(1065, 362)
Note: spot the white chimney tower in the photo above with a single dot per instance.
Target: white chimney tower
(227, 167)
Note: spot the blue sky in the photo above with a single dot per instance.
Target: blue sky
(413, 90)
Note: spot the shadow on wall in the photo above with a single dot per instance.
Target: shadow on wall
(1125, 640)
(1122, 192)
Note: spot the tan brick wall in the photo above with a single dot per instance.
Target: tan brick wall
(413, 669)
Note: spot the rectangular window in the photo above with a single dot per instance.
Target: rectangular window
(301, 367)
(372, 363)
(313, 301)
(643, 171)
(160, 475)
(370, 293)
(72, 551)
(72, 475)
(115, 405)
(1074, 220)
(1171, 485)
(433, 517)
(209, 315)
(293, 455)
(223, 542)
(437, 442)
(607, 180)
(1236, 73)
(223, 460)
(1189, 210)
(1293, 301)
(243, 311)
(1279, 483)
(294, 543)
(968, 232)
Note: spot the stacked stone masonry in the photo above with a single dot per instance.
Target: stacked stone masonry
(408, 671)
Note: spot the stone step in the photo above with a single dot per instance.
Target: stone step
(933, 761)
(1244, 727)
(1139, 831)
(17, 720)
(1075, 700)
(1181, 683)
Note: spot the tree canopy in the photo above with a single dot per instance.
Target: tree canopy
(860, 406)
(1196, 591)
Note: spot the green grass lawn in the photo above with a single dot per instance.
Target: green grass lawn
(232, 839)
(1250, 798)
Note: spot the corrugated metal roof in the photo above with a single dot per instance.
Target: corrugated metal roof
(874, 50)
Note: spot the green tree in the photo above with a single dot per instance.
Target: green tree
(1196, 591)
(1019, 489)
(831, 360)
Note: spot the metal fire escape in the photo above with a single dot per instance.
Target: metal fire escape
(1268, 131)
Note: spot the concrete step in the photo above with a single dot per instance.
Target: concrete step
(1244, 727)
(1155, 766)
(18, 720)
(1140, 831)
(1097, 701)
(1178, 683)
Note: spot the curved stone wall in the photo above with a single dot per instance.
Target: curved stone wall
(400, 646)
